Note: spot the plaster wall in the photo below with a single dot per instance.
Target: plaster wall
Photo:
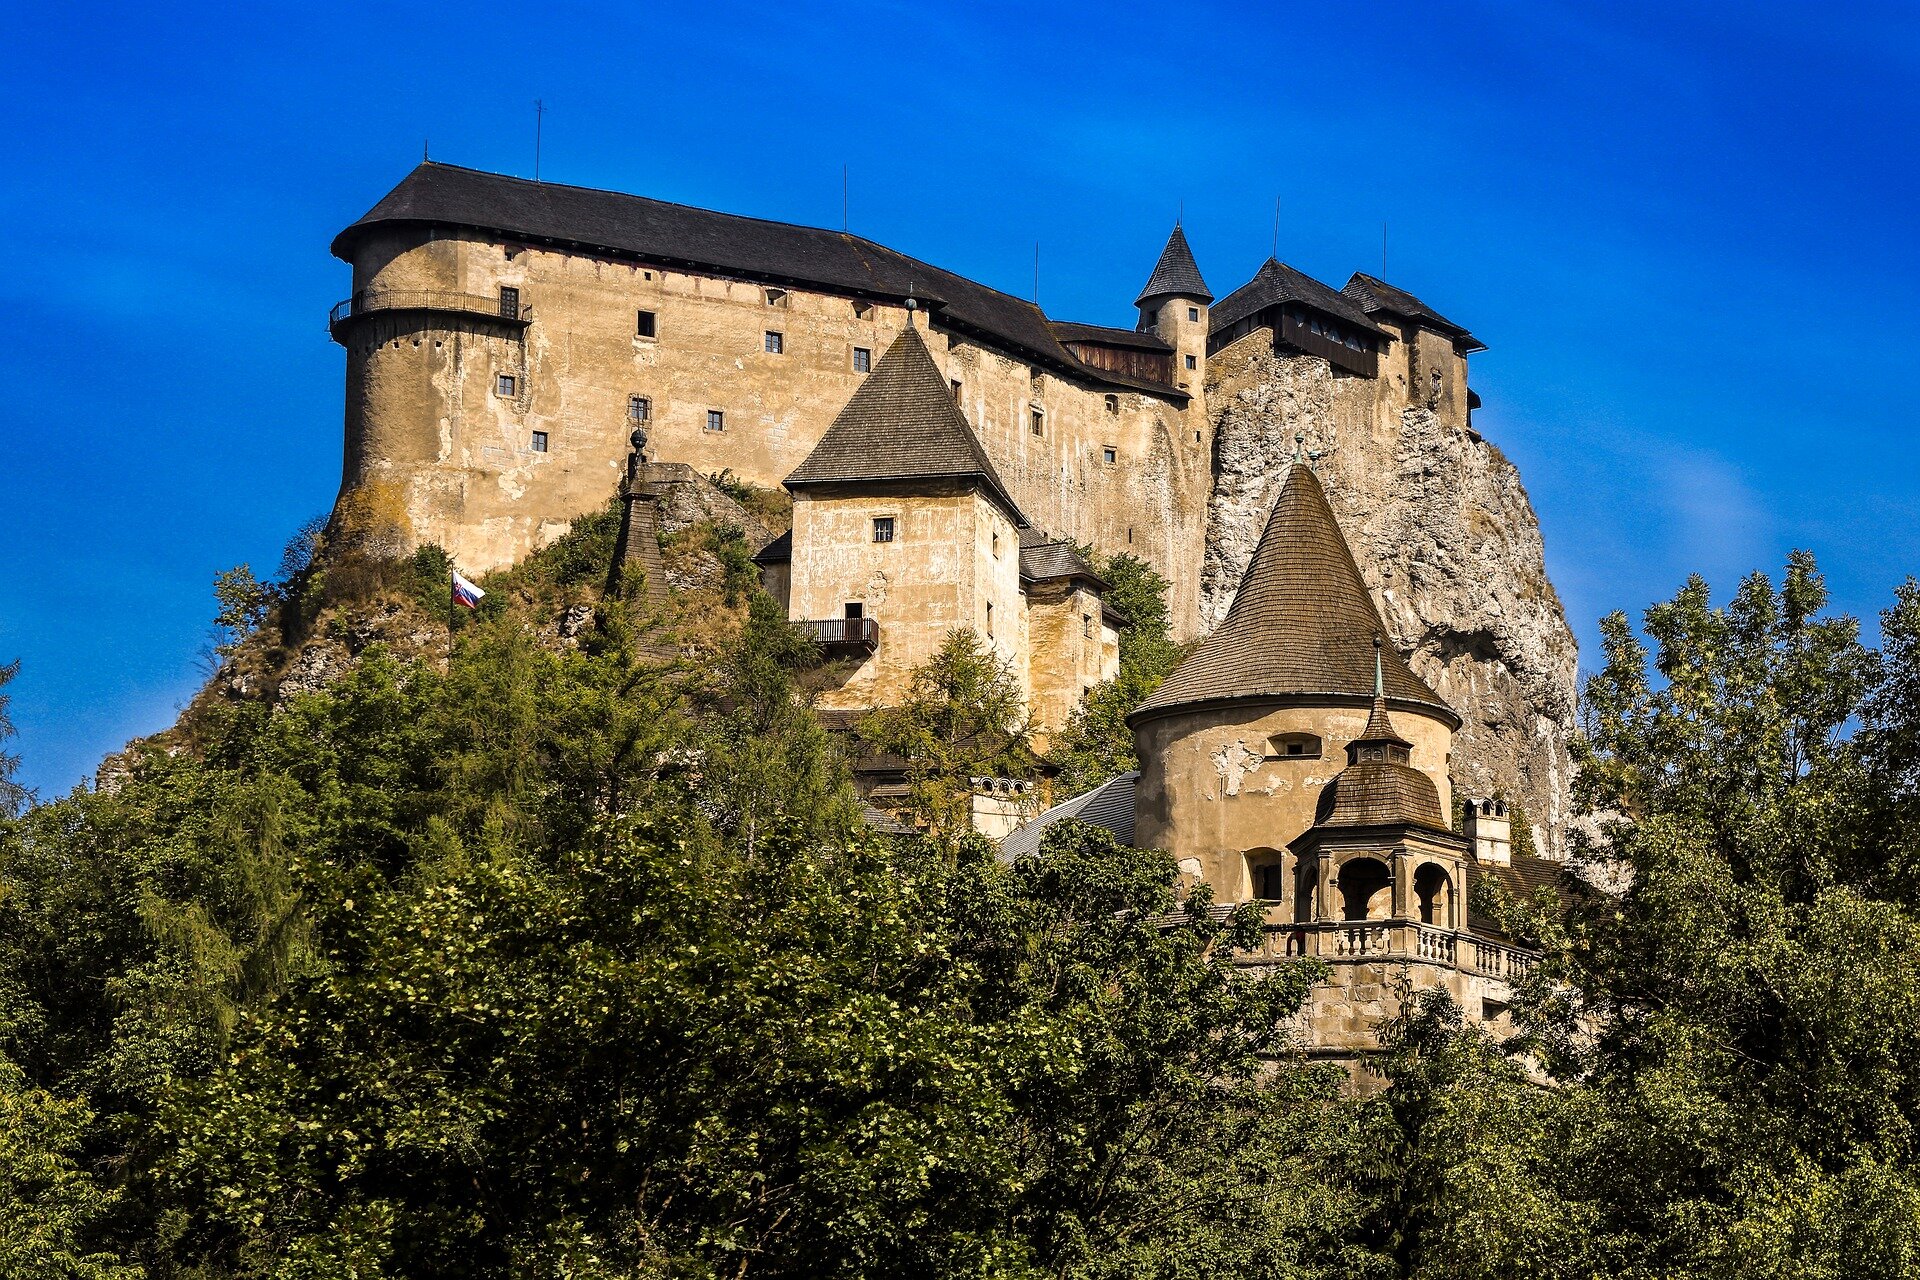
(1207, 792)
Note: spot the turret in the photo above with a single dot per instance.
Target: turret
(1173, 304)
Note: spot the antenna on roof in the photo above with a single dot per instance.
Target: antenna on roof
(539, 119)
(1181, 217)
(843, 199)
(1036, 273)
(425, 152)
(1379, 678)
(1276, 227)
(1383, 249)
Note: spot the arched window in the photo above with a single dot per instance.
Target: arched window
(1366, 891)
(1433, 890)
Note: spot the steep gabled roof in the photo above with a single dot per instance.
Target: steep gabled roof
(1275, 283)
(1176, 274)
(682, 236)
(902, 424)
(1301, 623)
(1069, 331)
(1376, 295)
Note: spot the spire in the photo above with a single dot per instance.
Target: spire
(1176, 274)
(1379, 730)
(1299, 623)
(902, 424)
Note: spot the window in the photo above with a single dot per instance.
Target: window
(1109, 455)
(1293, 746)
(776, 343)
(1113, 404)
(539, 444)
(777, 298)
(645, 326)
(640, 409)
(862, 360)
(504, 384)
(1270, 882)
(996, 546)
(1039, 422)
(1193, 315)
(1193, 362)
(716, 420)
(509, 302)
(883, 528)
(1086, 625)
(855, 611)
(861, 310)
(956, 390)
(989, 617)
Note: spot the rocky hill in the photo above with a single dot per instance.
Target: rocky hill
(1448, 542)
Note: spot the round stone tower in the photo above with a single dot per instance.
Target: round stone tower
(1173, 304)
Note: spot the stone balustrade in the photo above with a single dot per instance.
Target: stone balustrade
(1357, 940)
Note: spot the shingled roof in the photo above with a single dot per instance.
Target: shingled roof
(902, 424)
(679, 235)
(1275, 283)
(1301, 623)
(1071, 331)
(1376, 295)
(1176, 274)
(1109, 805)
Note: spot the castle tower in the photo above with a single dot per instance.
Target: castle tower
(902, 533)
(1173, 303)
(1239, 742)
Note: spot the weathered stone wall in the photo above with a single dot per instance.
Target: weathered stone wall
(1071, 648)
(1444, 534)
(434, 447)
(1209, 795)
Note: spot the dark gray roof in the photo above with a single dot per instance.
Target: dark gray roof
(1106, 336)
(1176, 274)
(1275, 283)
(1376, 295)
(1044, 559)
(1372, 793)
(1109, 805)
(1301, 623)
(779, 551)
(902, 424)
(722, 243)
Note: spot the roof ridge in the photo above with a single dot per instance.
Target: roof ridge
(1300, 622)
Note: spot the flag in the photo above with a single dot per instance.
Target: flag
(465, 592)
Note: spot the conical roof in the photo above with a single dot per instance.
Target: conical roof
(1176, 274)
(902, 424)
(1302, 622)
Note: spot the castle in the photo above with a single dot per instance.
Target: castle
(946, 445)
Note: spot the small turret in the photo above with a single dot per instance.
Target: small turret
(1173, 303)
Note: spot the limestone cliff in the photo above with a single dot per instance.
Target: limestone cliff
(1446, 538)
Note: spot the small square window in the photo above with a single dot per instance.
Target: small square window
(645, 325)
(1109, 455)
(640, 409)
(883, 528)
(776, 342)
(996, 546)
(716, 420)
(1039, 423)
(1193, 362)
(862, 359)
(539, 443)
(505, 384)
(855, 610)
(777, 297)
(1193, 315)
(1113, 404)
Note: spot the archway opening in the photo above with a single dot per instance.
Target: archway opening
(1433, 890)
(1365, 892)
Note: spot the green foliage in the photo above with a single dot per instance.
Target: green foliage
(963, 717)
(13, 796)
(1096, 744)
(49, 1206)
(244, 603)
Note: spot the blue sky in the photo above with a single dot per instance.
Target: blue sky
(1685, 232)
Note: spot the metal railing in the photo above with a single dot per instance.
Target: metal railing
(368, 301)
(863, 633)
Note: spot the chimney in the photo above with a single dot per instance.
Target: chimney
(1490, 831)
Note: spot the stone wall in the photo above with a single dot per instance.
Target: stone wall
(1444, 534)
(440, 452)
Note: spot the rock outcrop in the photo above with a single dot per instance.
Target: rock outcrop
(1449, 545)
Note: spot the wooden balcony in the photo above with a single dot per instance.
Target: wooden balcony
(855, 635)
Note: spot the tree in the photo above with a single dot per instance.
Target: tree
(13, 796)
(963, 717)
(1096, 743)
